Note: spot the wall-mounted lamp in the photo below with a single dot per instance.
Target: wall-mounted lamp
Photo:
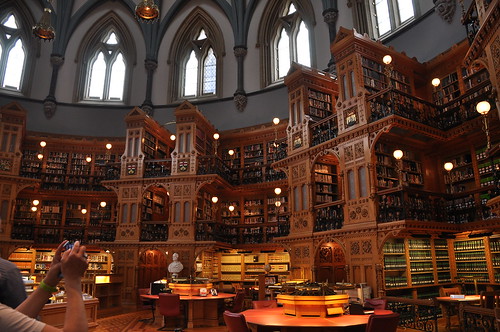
(387, 60)
(43, 144)
(448, 166)
(147, 11)
(216, 138)
(483, 107)
(398, 154)
(43, 29)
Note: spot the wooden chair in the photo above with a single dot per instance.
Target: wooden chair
(146, 304)
(169, 305)
(489, 299)
(356, 309)
(497, 319)
(264, 304)
(237, 304)
(375, 304)
(383, 323)
(449, 291)
(235, 322)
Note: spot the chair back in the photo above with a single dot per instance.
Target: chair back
(239, 299)
(383, 323)
(449, 291)
(489, 299)
(265, 304)
(356, 309)
(235, 322)
(376, 304)
(497, 319)
(169, 305)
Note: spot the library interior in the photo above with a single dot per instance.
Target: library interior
(339, 170)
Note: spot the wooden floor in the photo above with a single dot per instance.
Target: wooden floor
(128, 319)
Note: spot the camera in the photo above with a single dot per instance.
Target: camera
(69, 245)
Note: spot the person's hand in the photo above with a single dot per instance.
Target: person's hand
(54, 274)
(74, 263)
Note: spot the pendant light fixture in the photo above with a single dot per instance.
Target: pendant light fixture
(43, 29)
(147, 11)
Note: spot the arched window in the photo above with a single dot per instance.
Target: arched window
(12, 53)
(106, 57)
(285, 36)
(196, 56)
(105, 77)
(388, 15)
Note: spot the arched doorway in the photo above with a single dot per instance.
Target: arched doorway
(152, 266)
(330, 263)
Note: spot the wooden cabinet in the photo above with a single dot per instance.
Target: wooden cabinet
(248, 266)
(470, 260)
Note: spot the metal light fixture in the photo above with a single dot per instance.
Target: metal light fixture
(36, 202)
(387, 59)
(231, 208)
(43, 29)
(483, 107)
(88, 159)
(84, 211)
(231, 152)
(276, 121)
(103, 204)
(277, 190)
(109, 146)
(215, 199)
(172, 137)
(147, 11)
(448, 166)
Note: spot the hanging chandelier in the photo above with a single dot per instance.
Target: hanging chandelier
(147, 11)
(43, 29)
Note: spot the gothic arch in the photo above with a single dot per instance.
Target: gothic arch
(88, 45)
(270, 22)
(183, 42)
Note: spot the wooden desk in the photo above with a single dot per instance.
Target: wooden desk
(201, 310)
(261, 320)
(448, 304)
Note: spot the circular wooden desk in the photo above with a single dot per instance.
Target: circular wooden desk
(201, 310)
(448, 303)
(260, 320)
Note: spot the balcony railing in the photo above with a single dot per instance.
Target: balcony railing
(324, 130)
(157, 168)
(471, 21)
(215, 165)
(394, 102)
(421, 205)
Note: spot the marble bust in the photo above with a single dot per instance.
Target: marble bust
(175, 267)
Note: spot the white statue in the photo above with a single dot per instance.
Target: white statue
(175, 267)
